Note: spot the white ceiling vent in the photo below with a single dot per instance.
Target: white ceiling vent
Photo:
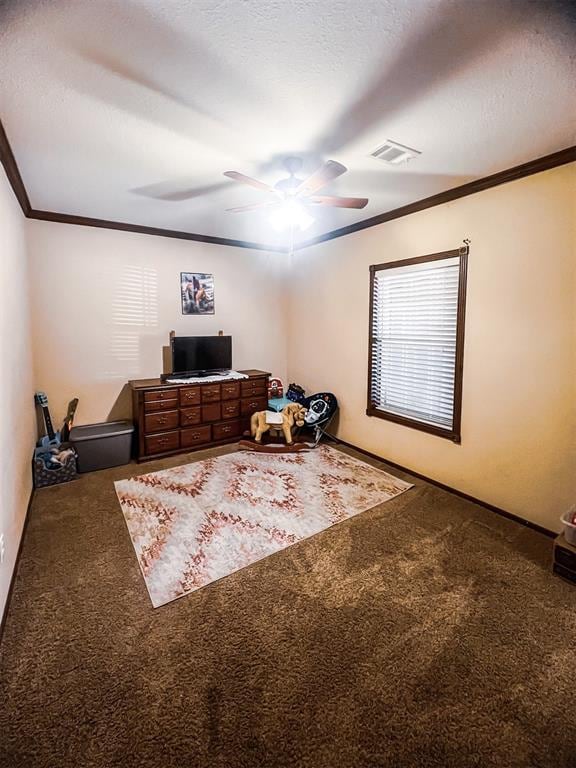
(394, 153)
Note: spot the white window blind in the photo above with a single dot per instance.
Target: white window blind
(414, 331)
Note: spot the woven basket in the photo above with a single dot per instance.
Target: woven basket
(44, 476)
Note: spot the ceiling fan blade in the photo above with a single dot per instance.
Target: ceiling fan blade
(235, 176)
(404, 79)
(326, 173)
(171, 191)
(339, 202)
(253, 207)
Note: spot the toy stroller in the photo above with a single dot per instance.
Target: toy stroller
(322, 408)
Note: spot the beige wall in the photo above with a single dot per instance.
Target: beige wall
(518, 447)
(103, 303)
(17, 421)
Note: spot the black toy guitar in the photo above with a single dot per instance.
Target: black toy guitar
(69, 419)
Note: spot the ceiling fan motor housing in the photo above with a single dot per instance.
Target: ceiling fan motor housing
(288, 185)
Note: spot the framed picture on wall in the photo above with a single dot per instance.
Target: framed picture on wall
(197, 293)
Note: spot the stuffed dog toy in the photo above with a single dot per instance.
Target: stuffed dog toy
(277, 423)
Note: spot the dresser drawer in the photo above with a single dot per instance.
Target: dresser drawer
(565, 557)
(250, 405)
(195, 436)
(231, 409)
(190, 396)
(160, 405)
(230, 390)
(226, 429)
(160, 394)
(168, 441)
(210, 393)
(190, 416)
(160, 422)
(211, 412)
(255, 387)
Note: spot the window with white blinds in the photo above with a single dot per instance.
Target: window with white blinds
(416, 334)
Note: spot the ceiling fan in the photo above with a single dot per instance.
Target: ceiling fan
(293, 195)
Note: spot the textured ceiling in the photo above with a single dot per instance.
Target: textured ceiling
(131, 111)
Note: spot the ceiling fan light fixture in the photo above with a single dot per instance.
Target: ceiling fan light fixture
(289, 214)
(293, 197)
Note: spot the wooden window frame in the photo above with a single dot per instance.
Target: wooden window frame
(453, 434)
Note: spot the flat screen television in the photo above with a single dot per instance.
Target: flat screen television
(201, 355)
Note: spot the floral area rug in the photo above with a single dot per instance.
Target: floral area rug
(197, 523)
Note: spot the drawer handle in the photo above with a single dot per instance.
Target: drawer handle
(163, 441)
(189, 395)
(162, 421)
(226, 429)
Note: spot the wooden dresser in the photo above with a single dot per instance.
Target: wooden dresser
(177, 418)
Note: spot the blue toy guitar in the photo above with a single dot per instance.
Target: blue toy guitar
(54, 448)
(52, 439)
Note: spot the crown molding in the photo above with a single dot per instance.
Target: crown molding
(545, 163)
(563, 157)
(10, 166)
(86, 221)
(15, 179)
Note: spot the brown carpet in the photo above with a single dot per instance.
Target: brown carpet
(426, 632)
